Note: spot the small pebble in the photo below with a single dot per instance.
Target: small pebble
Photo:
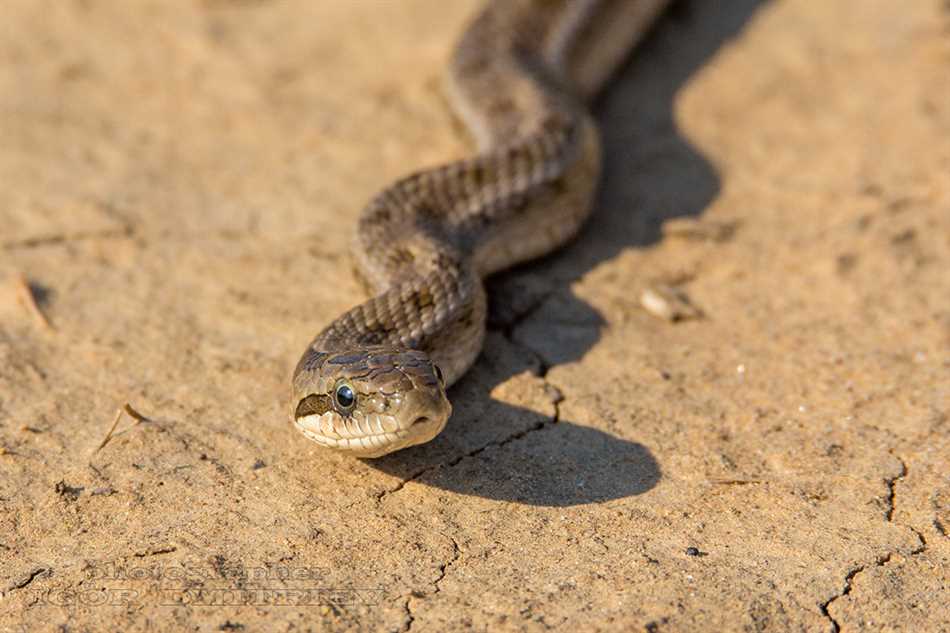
(668, 303)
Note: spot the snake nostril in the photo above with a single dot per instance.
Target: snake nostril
(420, 420)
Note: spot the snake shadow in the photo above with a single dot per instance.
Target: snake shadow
(652, 173)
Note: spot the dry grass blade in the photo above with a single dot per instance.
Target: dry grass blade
(128, 410)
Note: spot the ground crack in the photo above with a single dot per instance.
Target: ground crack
(410, 618)
(848, 586)
(890, 505)
(508, 440)
(402, 484)
(481, 449)
(556, 397)
(26, 579)
(891, 483)
(443, 570)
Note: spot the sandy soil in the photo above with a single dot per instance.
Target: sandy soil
(178, 184)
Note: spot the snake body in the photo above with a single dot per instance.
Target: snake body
(373, 381)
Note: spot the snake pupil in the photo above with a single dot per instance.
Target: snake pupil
(438, 374)
(345, 396)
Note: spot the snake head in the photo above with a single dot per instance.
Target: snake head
(369, 403)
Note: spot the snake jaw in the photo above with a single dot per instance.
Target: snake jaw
(350, 435)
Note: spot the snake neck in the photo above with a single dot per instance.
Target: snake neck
(441, 313)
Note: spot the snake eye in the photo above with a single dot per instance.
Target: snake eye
(438, 374)
(345, 397)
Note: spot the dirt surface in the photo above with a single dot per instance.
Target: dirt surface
(180, 180)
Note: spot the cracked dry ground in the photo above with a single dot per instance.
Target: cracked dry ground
(179, 183)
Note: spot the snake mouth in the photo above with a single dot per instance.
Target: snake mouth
(351, 439)
(361, 441)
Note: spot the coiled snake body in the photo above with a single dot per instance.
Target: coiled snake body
(373, 381)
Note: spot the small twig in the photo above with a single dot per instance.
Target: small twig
(105, 440)
(128, 410)
(28, 299)
(133, 413)
(736, 482)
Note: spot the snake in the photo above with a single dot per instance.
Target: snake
(520, 79)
